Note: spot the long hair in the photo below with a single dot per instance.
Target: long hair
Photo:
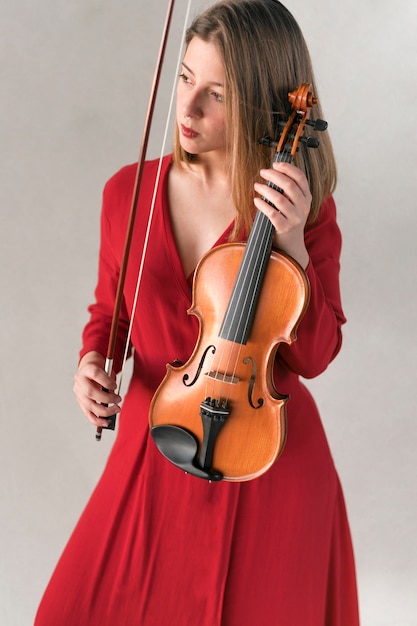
(265, 57)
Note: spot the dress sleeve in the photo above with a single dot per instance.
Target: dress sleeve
(114, 215)
(319, 335)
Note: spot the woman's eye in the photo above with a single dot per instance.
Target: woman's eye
(184, 77)
(218, 96)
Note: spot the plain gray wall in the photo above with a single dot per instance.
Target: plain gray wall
(74, 81)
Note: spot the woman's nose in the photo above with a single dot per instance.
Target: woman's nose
(192, 106)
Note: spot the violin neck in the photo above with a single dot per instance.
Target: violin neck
(241, 309)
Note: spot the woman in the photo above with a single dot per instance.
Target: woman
(155, 546)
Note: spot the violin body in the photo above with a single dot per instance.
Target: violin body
(231, 381)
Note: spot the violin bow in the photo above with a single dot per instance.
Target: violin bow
(133, 209)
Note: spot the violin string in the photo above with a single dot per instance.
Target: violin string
(230, 356)
(256, 254)
(244, 295)
(154, 196)
(252, 262)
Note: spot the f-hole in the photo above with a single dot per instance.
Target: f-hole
(251, 385)
(200, 367)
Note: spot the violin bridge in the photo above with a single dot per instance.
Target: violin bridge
(222, 377)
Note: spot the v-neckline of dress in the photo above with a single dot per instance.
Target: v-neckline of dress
(185, 281)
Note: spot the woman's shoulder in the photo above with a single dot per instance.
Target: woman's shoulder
(324, 233)
(327, 210)
(119, 192)
(326, 216)
(123, 181)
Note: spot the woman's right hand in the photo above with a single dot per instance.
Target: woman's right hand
(90, 382)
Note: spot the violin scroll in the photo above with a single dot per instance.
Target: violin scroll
(302, 98)
(302, 101)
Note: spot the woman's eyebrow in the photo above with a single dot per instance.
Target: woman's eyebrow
(187, 68)
(191, 72)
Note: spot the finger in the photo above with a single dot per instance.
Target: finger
(87, 388)
(271, 198)
(97, 374)
(94, 401)
(276, 217)
(281, 183)
(291, 171)
(293, 176)
(96, 421)
(97, 411)
(292, 203)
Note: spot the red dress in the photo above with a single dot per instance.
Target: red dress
(157, 547)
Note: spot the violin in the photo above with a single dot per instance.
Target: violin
(219, 416)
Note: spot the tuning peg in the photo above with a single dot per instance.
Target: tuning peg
(310, 142)
(267, 141)
(319, 125)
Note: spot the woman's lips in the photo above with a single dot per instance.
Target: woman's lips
(188, 132)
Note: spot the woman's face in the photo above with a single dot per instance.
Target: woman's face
(201, 116)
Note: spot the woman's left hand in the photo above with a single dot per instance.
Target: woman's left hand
(292, 208)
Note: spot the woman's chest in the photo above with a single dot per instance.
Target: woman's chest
(198, 217)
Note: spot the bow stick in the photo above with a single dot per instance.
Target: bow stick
(132, 215)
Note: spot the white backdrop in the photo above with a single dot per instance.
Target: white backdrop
(74, 81)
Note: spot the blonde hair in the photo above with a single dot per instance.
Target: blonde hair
(265, 57)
